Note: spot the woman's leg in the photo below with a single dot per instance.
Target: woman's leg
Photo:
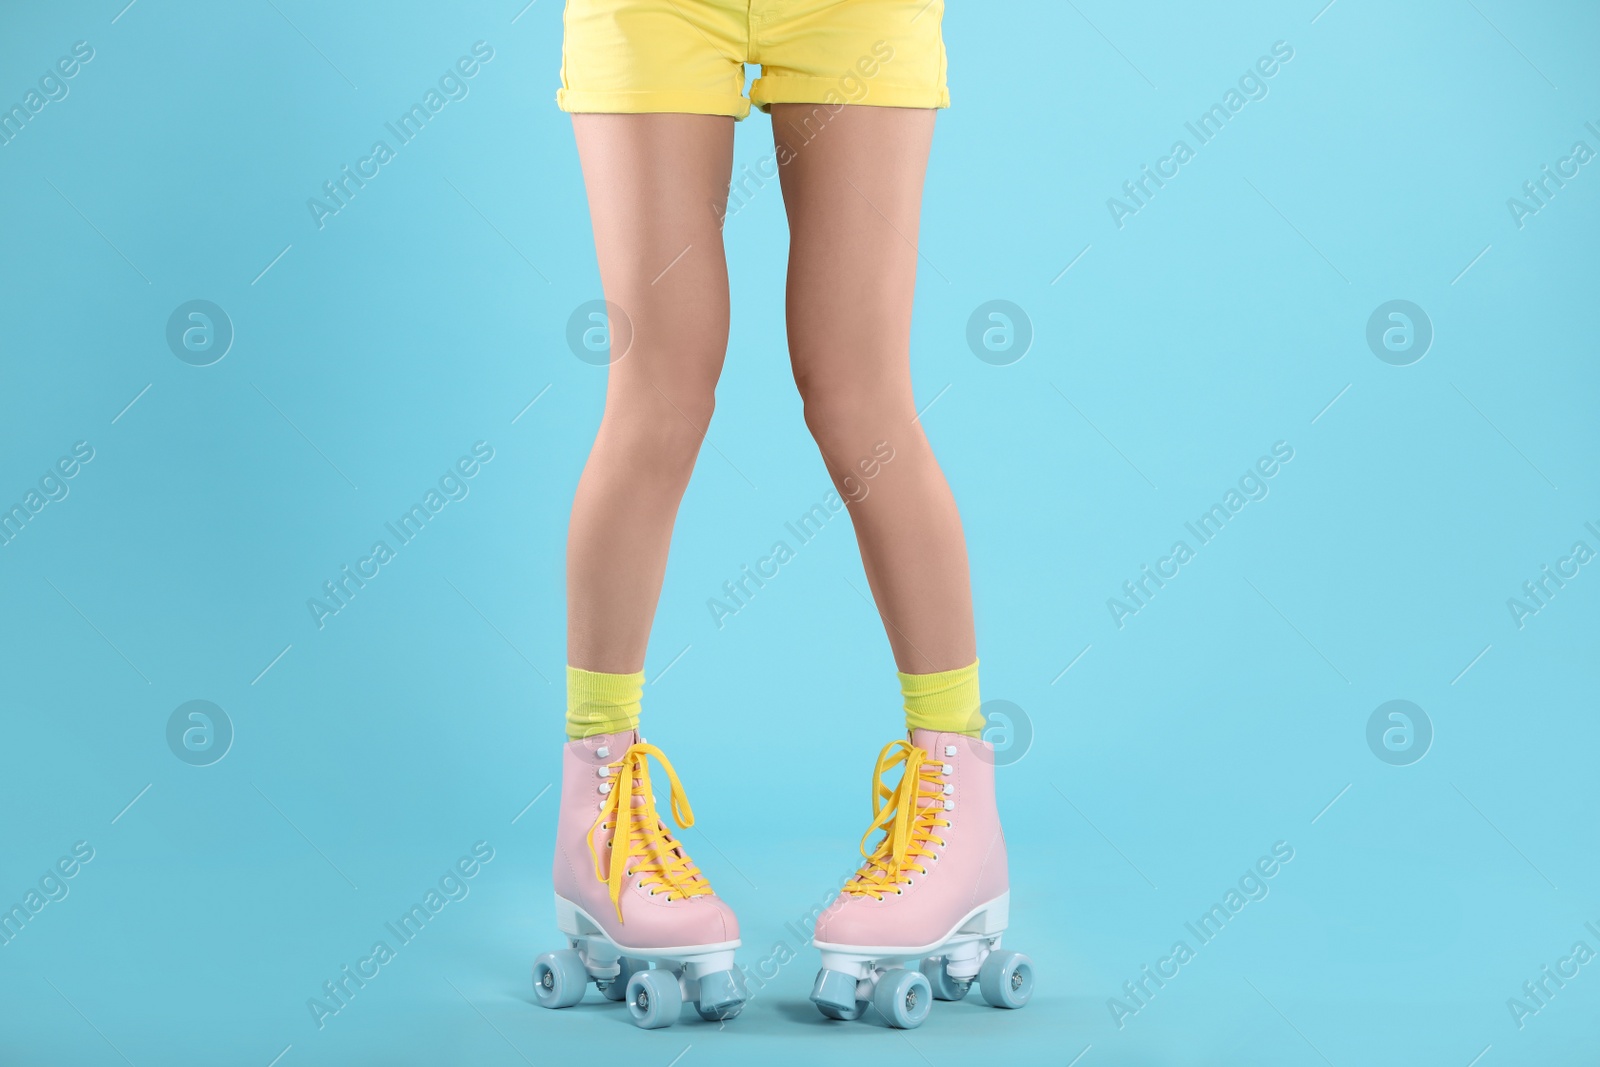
(654, 185)
(624, 884)
(852, 185)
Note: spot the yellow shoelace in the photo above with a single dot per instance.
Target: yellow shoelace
(647, 848)
(907, 815)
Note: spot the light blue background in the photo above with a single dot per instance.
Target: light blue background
(1225, 316)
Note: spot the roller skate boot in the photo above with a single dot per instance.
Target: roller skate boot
(640, 920)
(922, 919)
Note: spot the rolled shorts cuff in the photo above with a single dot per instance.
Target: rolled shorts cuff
(797, 89)
(652, 101)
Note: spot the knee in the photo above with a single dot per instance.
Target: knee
(851, 415)
(659, 431)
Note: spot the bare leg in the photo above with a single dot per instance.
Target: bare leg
(852, 185)
(655, 184)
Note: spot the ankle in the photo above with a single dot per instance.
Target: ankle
(602, 703)
(945, 701)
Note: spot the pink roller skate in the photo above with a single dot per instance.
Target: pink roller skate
(922, 918)
(626, 899)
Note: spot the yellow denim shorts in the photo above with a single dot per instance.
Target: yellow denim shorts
(633, 56)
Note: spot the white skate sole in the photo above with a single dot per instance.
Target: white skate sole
(979, 928)
(901, 980)
(581, 927)
(702, 974)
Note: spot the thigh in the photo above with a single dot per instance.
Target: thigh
(852, 185)
(657, 187)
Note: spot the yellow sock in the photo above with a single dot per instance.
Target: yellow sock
(600, 703)
(946, 701)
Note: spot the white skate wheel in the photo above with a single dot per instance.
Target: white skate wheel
(1006, 979)
(654, 999)
(903, 997)
(559, 978)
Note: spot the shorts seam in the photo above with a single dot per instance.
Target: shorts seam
(809, 89)
(651, 101)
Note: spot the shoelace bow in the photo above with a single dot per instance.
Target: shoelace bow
(907, 815)
(646, 848)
